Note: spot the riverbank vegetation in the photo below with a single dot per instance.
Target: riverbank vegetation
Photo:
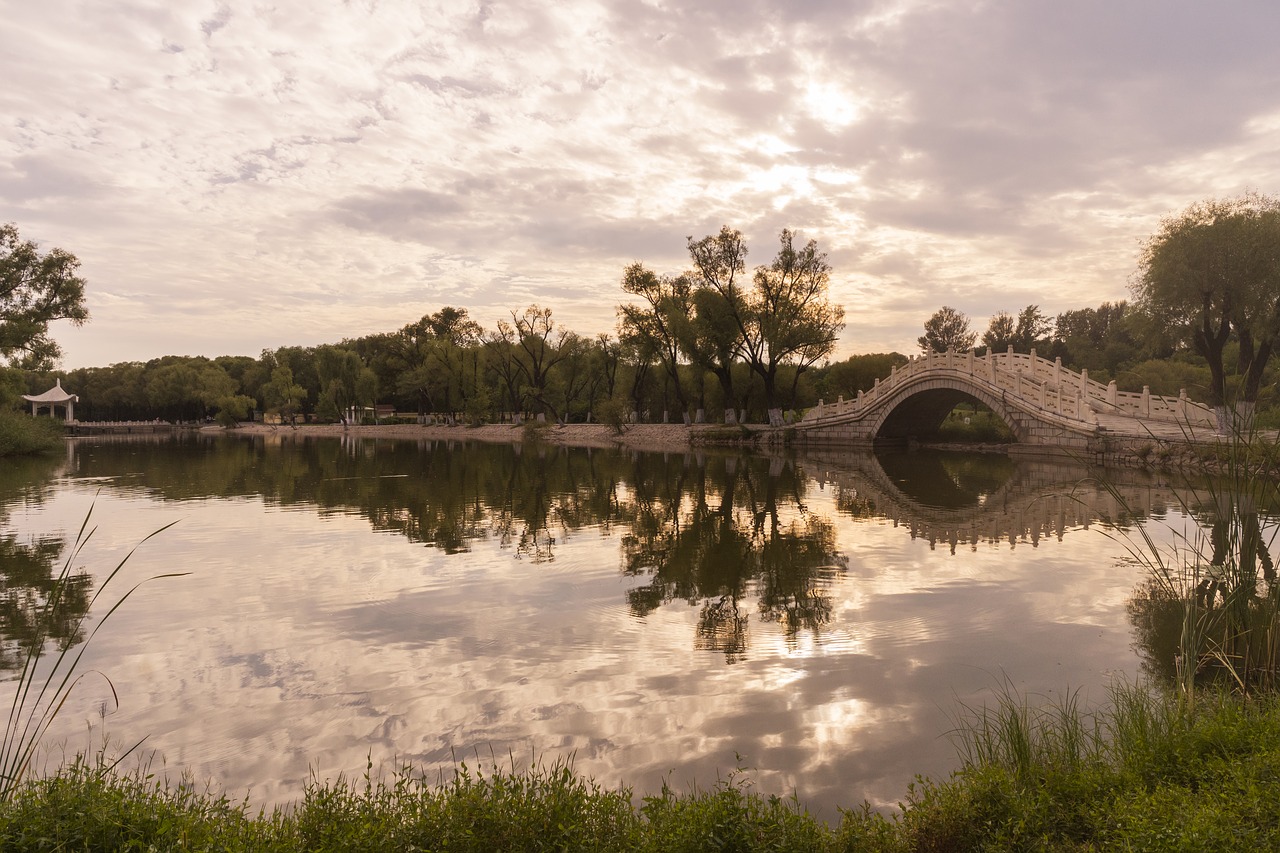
(1149, 773)
(713, 343)
(21, 434)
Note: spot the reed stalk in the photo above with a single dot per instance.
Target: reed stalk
(45, 684)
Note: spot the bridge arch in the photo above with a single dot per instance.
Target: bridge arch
(918, 408)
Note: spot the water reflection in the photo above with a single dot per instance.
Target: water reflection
(973, 498)
(710, 535)
(1215, 601)
(646, 612)
(30, 568)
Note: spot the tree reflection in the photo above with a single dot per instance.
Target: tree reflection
(1215, 618)
(724, 534)
(729, 529)
(35, 606)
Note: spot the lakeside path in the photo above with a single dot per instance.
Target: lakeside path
(659, 437)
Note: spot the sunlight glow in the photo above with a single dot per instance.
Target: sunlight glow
(831, 105)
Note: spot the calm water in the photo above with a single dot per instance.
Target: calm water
(815, 620)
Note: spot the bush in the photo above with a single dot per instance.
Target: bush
(20, 434)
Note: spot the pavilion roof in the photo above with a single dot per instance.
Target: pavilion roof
(53, 395)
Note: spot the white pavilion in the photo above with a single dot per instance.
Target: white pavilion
(52, 398)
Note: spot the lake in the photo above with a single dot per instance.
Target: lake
(817, 620)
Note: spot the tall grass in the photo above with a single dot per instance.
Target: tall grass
(1211, 600)
(46, 682)
(21, 434)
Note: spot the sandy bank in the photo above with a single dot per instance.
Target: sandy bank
(658, 437)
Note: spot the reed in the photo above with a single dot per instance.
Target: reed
(1217, 582)
(46, 681)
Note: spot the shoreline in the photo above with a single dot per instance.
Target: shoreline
(659, 437)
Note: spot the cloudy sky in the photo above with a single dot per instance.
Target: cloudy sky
(244, 175)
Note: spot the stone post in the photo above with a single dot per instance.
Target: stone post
(1146, 401)
(1111, 392)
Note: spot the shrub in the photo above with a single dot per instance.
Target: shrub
(20, 434)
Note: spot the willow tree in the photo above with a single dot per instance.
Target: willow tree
(795, 324)
(784, 318)
(666, 303)
(713, 334)
(1212, 270)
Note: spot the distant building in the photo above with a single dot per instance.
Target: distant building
(53, 398)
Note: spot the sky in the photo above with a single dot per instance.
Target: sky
(239, 176)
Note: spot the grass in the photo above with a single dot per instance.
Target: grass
(1148, 772)
(1217, 591)
(21, 434)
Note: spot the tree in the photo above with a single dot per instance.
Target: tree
(282, 396)
(667, 301)
(35, 290)
(1000, 333)
(538, 345)
(345, 382)
(709, 336)
(429, 358)
(1214, 269)
(714, 337)
(1029, 331)
(946, 330)
(785, 318)
(795, 323)
(1108, 338)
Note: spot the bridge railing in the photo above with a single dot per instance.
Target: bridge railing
(1034, 380)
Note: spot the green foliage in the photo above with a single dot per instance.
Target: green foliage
(984, 427)
(345, 382)
(729, 817)
(1212, 274)
(613, 413)
(282, 396)
(1150, 773)
(22, 434)
(856, 373)
(35, 290)
(1147, 773)
(1166, 377)
(947, 329)
(233, 409)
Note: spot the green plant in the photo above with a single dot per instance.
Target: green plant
(41, 689)
(613, 413)
(21, 434)
(1216, 587)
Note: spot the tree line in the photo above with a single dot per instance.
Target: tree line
(714, 342)
(1205, 315)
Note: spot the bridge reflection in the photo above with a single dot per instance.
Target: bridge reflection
(967, 498)
(734, 536)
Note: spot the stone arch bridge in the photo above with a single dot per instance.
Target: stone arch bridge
(1045, 405)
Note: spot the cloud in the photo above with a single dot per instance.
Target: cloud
(493, 152)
